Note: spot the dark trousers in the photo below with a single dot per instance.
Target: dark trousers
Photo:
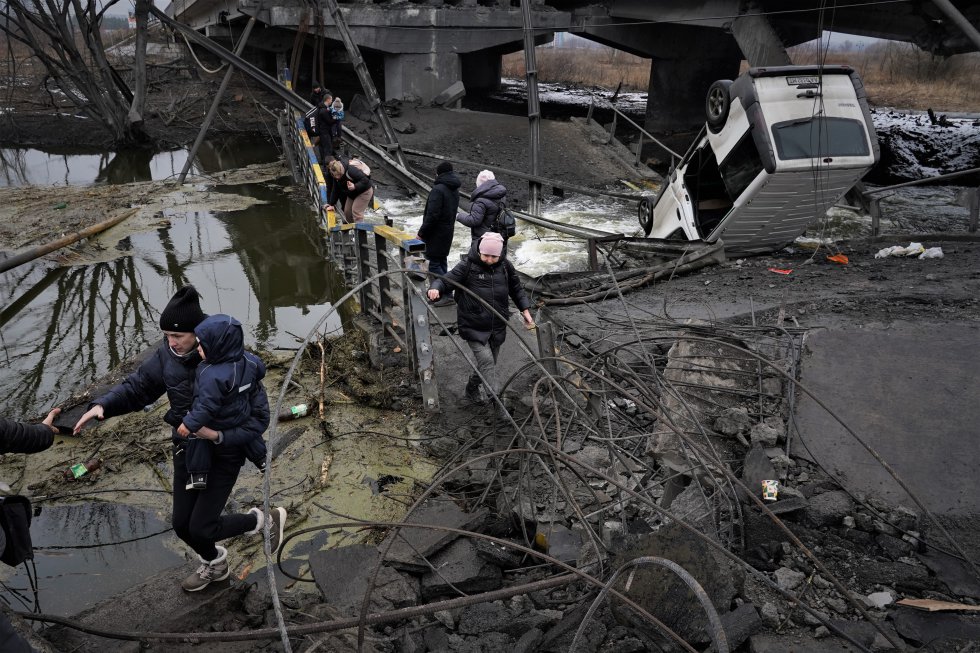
(438, 266)
(197, 517)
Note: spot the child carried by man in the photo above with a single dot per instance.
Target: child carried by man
(228, 383)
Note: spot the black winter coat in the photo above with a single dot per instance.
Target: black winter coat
(439, 220)
(484, 208)
(493, 284)
(166, 372)
(229, 383)
(24, 438)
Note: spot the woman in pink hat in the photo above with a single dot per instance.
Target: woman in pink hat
(491, 277)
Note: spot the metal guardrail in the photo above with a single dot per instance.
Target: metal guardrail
(874, 202)
(364, 251)
(643, 133)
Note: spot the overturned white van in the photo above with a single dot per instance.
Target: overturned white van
(781, 145)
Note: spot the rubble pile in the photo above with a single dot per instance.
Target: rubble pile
(631, 489)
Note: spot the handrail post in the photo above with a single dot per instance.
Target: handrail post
(974, 209)
(588, 116)
(639, 150)
(593, 255)
(612, 126)
(363, 266)
(385, 305)
(875, 210)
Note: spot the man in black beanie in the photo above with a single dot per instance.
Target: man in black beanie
(197, 514)
(439, 221)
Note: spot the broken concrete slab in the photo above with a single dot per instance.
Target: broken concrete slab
(715, 377)
(740, 624)
(829, 508)
(788, 505)
(458, 568)
(455, 91)
(923, 627)
(413, 544)
(498, 554)
(342, 575)
(696, 509)
(667, 597)
(953, 572)
(560, 542)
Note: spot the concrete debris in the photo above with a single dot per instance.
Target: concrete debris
(829, 508)
(412, 545)
(764, 435)
(789, 579)
(454, 92)
(664, 595)
(458, 568)
(733, 421)
(343, 575)
(740, 624)
(879, 600)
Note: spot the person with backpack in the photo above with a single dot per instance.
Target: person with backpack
(486, 203)
(491, 277)
(439, 220)
(352, 185)
(319, 124)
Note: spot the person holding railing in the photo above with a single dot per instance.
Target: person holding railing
(351, 185)
(491, 277)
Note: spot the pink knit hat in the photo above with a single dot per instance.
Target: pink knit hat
(484, 177)
(491, 244)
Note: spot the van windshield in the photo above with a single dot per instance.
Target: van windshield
(819, 137)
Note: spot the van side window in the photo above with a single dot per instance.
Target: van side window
(819, 137)
(742, 165)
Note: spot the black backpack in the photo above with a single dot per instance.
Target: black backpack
(505, 223)
(309, 121)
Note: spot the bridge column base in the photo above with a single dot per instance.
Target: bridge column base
(420, 76)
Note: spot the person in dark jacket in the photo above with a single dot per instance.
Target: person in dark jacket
(485, 204)
(197, 514)
(350, 186)
(227, 385)
(492, 278)
(316, 95)
(439, 219)
(319, 124)
(17, 437)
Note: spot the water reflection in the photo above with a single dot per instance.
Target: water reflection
(61, 328)
(76, 166)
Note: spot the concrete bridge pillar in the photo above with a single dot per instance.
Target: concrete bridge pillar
(758, 40)
(481, 71)
(420, 76)
(678, 87)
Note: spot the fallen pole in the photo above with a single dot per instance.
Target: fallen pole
(41, 250)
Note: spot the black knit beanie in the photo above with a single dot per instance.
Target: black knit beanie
(183, 311)
(445, 166)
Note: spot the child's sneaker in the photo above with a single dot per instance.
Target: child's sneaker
(197, 481)
(209, 572)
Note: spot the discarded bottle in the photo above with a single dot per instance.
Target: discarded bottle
(81, 469)
(295, 412)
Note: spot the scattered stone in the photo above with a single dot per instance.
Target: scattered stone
(454, 92)
(814, 619)
(435, 639)
(733, 421)
(848, 522)
(740, 624)
(528, 643)
(445, 617)
(789, 579)
(770, 615)
(821, 583)
(894, 547)
(560, 541)
(782, 464)
(483, 618)
(820, 632)
(764, 435)
(879, 600)
(829, 508)
(695, 509)
(840, 606)
(791, 504)
(881, 643)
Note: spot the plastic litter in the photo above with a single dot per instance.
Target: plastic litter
(780, 271)
(932, 252)
(839, 258)
(914, 249)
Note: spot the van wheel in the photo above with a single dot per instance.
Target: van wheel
(645, 213)
(717, 104)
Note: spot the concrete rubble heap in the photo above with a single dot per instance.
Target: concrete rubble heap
(654, 450)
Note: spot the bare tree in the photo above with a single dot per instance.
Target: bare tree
(65, 37)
